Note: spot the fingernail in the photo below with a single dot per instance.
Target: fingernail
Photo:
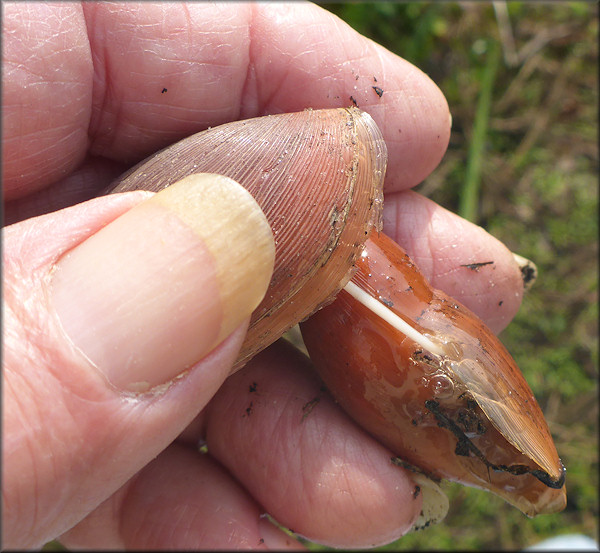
(435, 503)
(158, 288)
(528, 271)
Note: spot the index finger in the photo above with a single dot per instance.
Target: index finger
(164, 71)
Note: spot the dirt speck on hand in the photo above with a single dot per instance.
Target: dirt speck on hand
(476, 266)
(309, 406)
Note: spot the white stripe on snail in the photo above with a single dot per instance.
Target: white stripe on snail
(391, 318)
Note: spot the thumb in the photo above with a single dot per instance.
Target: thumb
(122, 317)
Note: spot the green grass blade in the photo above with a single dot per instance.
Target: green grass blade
(469, 197)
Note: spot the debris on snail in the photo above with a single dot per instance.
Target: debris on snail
(411, 365)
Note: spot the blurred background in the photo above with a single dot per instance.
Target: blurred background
(521, 80)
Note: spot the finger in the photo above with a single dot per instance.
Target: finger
(308, 57)
(458, 257)
(214, 64)
(274, 59)
(181, 500)
(303, 459)
(46, 96)
(83, 184)
(108, 310)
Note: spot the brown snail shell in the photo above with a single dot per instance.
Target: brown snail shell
(317, 175)
(463, 412)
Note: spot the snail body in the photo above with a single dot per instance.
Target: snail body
(459, 409)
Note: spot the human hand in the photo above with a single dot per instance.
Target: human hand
(103, 469)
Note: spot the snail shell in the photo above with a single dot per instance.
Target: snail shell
(333, 160)
(460, 410)
(464, 412)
